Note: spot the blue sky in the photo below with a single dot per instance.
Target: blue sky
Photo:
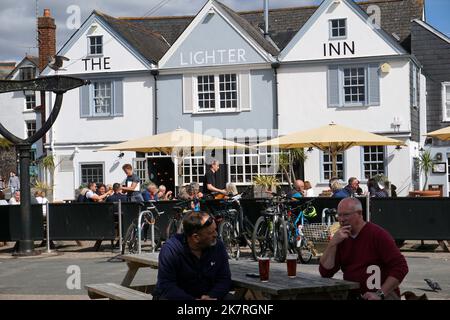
(438, 15)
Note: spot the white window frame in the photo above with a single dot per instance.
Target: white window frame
(92, 163)
(445, 102)
(140, 168)
(363, 162)
(90, 54)
(28, 130)
(201, 169)
(252, 153)
(342, 85)
(21, 72)
(92, 99)
(331, 29)
(27, 102)
(322, 166)
(217, 108)
(414, 86)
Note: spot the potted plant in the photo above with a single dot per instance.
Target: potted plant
(425, 165)
(264, 186)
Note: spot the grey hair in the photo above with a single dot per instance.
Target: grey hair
(214, 161)
(354, 203)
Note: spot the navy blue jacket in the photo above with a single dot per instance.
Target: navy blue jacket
(183, 276)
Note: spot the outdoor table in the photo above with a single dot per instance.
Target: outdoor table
(279, 287)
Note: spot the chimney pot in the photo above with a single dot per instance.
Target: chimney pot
(47, 13)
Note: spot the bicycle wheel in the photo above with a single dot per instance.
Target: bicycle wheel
(246, 234)
(261, 239)
(171, 228)
(227, 234)
(281, 240)
(130, 241)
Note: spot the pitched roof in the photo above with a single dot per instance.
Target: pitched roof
(34, 60)
(152, 36)
(147, 42)
(396, 17)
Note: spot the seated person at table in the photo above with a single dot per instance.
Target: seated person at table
(92, 196)
(194, 264)
(299, 189)
(151, 193)
(163, 194)
(117, 195)
(366, 253)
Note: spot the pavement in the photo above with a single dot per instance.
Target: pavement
(54, 275)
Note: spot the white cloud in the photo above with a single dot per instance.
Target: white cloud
(18, 23)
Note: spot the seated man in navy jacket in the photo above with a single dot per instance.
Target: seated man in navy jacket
(194, 264)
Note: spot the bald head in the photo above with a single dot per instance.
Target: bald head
(299, 185)
(350, 205)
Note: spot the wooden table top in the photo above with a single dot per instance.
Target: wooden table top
(279, 283)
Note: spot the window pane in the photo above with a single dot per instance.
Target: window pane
(354, 85)
(228, 92)
(328, 166)
(92, 173)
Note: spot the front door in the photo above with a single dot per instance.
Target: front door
(161, 171)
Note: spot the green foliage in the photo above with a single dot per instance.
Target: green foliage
(48, 162)
(266, 181)
(425, 165)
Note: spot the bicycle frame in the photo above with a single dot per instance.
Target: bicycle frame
(152, 225)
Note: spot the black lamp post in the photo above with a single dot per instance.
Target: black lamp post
(59, 85)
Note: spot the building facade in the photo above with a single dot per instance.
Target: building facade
(219, 73)
(432, 48)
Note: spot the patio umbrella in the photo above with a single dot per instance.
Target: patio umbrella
(178, 139)
(177, 143)
(443, 134)
(331, 138)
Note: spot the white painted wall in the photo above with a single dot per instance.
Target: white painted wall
(13, 113)
(399, 167)
(303, 101)
(309, 42)
(120, 57)
(136, 122)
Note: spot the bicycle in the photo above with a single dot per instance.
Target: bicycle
(310, 236)
(270, 236)
(176, 222)
(234, 229)
(298, 243)
(131, 241)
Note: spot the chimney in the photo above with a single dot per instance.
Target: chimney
(47, 38)
(266, 18)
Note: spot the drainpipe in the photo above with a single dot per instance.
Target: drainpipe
(275, 67)
(155, 74)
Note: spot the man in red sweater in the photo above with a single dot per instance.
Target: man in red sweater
(366, 253)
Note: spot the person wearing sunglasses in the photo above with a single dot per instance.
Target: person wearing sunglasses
(194, 265)
(366, 253)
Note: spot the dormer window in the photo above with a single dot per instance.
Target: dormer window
(27, 73)
(95, 45)
(338, 28)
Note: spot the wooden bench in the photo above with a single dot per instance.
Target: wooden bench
(114, 291)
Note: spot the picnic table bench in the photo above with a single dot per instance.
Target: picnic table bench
(279, 287)
(115, 292)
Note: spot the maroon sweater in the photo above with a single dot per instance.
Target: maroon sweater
(372, 246)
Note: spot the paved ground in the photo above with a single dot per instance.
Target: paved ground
(45, 277)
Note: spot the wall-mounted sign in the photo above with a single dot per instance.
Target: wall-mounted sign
(338, 49)
(211, 57)
(94, 64)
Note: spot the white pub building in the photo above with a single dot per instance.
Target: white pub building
(229, 74)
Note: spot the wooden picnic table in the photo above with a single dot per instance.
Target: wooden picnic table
(279, 286)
